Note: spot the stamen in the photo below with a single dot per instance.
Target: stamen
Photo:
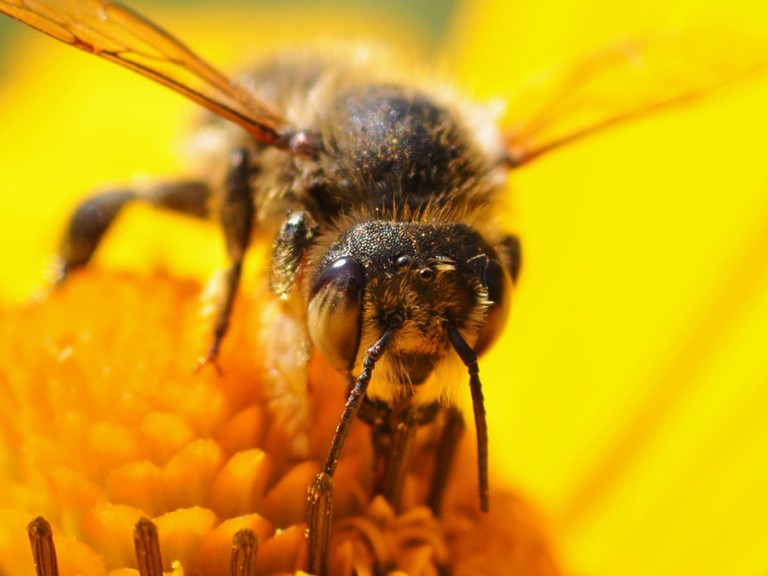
(43, 550)
(147, 547)
(245, 545)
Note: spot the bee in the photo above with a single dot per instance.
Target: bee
(379, 194)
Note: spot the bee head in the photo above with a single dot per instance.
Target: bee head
(418, 280)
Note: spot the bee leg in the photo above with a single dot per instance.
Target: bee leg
(295, 236)
(236, 214)
(91, 219)
(393, 431)
(445, 455)
(398, 459)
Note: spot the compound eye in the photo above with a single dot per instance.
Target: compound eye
(335, 310)
(499, 286)
(403, 261)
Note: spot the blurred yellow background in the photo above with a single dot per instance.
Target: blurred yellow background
(629, 397)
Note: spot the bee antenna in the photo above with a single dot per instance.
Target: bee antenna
(372, 355)
(321, 490)
(469, 358)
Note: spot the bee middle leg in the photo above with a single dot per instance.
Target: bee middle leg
(452, 431)
(393, 433)
(93, 217)
(236, 215)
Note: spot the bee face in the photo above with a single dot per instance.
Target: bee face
(416, 279)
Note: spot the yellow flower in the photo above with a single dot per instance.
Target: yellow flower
(637, 375)
(106, 423)
(626, 400)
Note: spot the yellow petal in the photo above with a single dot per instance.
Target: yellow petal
(632, 390)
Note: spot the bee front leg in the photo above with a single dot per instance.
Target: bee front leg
(295, 236)
(393, 432)
(445, 455)
(91, 219)
(398, 460)
(236, 214)
(284, 341)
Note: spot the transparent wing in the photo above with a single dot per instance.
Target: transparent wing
(116, 33)
(625, 82)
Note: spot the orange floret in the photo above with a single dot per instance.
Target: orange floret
(106, 422)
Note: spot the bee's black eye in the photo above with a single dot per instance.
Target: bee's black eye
(334, 312)
(497, 282)
(403, 261)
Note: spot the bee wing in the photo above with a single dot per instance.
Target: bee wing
(118, 34)
(625, 82)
